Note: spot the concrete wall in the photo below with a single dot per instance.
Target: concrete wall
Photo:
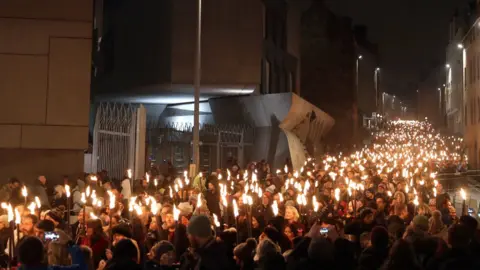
(45, 52)
(152, 43)
(232, 38)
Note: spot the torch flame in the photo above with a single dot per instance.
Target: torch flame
(37, 201)
(11, 215)
(235, 208)
(24, 191)
(337, 194)
(315, 203)
(18, 217)
(176, 213)
(199, 200)
(112, 200)
(275, 208)
(32, 207)
(463, 194)
(215, 220)
(67, 191)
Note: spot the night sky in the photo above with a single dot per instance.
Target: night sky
(412, 36)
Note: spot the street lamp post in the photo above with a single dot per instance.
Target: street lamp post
(197, 76)
(376, 77)
(355, 108)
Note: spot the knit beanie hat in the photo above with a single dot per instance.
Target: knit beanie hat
(244, 251)
(421, 222)
(272, 233)
(122, 229)
(200, 226)
(161, 248)
(125, 249)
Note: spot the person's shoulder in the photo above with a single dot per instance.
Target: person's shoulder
(61, 267)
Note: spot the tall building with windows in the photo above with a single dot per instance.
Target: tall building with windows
(430, 96)
(328, 69)
(454, 85)
(250, 70)
(471, 76)
(146, 49)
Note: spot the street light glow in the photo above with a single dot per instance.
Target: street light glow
(378, 69)
(360, 56)
(447, 65)
(460, 45)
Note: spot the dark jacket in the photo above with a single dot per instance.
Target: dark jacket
(265, 212)
(372, 258)
(213, 200)
(179, 240)
(78, 262)
(16, 197)
(272, 262)
(122, 264)
(212, 256)
(151, 265)
(40, 190)
(98, 245)
(456, 260)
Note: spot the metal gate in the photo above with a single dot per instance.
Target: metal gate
(220, 145)
(114, 138)
(230, 147)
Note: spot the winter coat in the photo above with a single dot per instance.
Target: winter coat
(443, 234)
(272, 262)
(98, 246)
(40, 190)
(455, 260)
(372, 258)
(78, 262)
(212, 256)
(199, 183)
(213, 203)
(122, 264)
(150, 265)
(265, 212)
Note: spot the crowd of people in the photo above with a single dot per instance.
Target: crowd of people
(378, 208)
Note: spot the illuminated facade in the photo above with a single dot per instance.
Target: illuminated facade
(471, 85)
(454, 85)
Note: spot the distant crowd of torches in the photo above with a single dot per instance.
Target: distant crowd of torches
(406, 149)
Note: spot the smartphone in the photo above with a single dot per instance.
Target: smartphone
(51, 236)
(324, 231)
